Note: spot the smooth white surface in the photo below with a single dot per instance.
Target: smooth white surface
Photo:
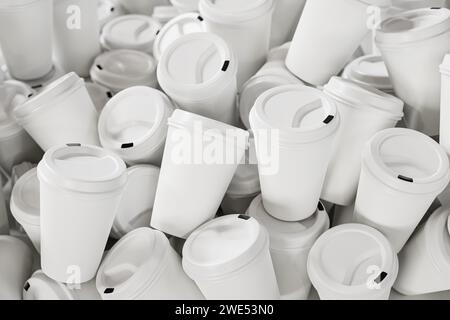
(164, 14)
(108, 10)
(285, 19)
(185, 5)
(444, 130)
(141, 6)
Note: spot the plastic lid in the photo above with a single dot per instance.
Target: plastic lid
(82, 168)
(279, 53)
(197, 65)
(99, 94)
(407, 160)
(369, 70)
(120, 69)
(132, 264)
(164, 13)
(411, 26)
(223, 246)
(438, 239)
(340, 258)
(135, 118)
(445, 66)
(12, 94)
(174, 29)
(136, 204)
(362, 96)
(132, 31)
(185, 5)
(50, 96)
(234, 11)
(41, 287)
(301, 114)
(417, 4)
(25, 202)
(290, 235)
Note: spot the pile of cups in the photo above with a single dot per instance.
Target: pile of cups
(156, 149)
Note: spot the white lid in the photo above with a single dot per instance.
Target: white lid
(197, 65)
(120, 69)
(411, 26)
(12, 94)
(438, 239)
(234, 11)
(51, 95)
(369, 70)
(445, 66)
(417, 4)
(136, 204)
(290, 235)
(41, 287)
(407, 160)
(82, 168)
(301, 114)
(99, 94)
(365, 97)
(340, 258)
(175, 28)
(222, 246)
(254, 87)
(25, 201)
(185, 5)
(135, 118)
(132, 31)
(164, 13)
(132, 264)
(279, 53)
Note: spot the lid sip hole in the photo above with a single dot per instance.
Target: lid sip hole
(109, 94)
(320, 206)
(30, 95)
(74, 144)
(108, 290)
(200, 18)
(127, 145)
(381, 277)
(243, 217)
(27, 286)
(99, 67)
(328, 119)
(157, 32)
(407, 179)
(37, 86)
(112, 9)
(225, 66)
(435, 8)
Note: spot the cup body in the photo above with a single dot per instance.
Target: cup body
(285, 19)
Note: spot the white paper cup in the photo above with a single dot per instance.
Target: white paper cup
(16, 145)
(181, 25)
(41, 287)
(164, 14)
(198, 72)
(245, 26)
(290, 243)
(76, 33)
(62, 113)
(229, 259)
(403, 171)
(133, 124)
(185, 5)
(191, 176)
(134, 32)
(84, 183)
(141, 6)
(121, 69)
(444, 137)
(406, 41)
(294, 128)
(15, 267)
(108, 10)
(319, 49)
(25, 206)
(369, 70)
(143, 266)
(352, 262)
(425, 259)
(285, 19)
(99, 94)
(136, 204)
(363, 111)
(26, 37)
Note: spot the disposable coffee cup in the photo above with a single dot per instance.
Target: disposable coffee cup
(141, 6)
(133, 125)
(343, 215)
(185, 5)
(132, 31)
(294, 128)
(228, 253)
(16, 145)
(25, 206)
(99, 94)
(41, 287)
(245, 26)
(108, 10)
(352, 262)
(76, 33)
(143, 266)
(406, 41)
(164, 14)
(402, 172)
(285, 19)
(177, 27)
(122, 69)
(444, 131)
(64, 107)
(290, 243)
(15, 266)
(40, 84)
(136, 204)
(200, 159)
(198, 72)
(363, 112)
(80, 188)
(28, 49)
(425, 259)
(369, 70)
